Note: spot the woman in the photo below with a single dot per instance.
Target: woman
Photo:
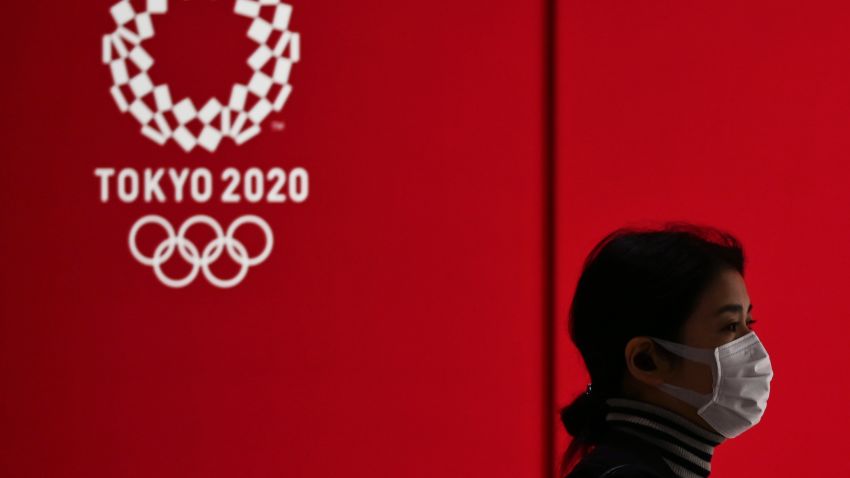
(664, 323)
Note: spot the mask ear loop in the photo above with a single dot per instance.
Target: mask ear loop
(706, 356)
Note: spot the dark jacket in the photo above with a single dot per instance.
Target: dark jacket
(620, 455)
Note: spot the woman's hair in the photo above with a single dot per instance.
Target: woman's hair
(635, 282)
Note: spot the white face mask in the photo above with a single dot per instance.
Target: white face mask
(741, 374)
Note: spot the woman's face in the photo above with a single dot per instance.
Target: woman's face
(723, 314)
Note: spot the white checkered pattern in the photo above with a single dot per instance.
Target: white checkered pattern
(125, 44)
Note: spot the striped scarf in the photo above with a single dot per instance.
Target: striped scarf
(686, 447)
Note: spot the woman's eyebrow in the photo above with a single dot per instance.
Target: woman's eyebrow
(733, 308)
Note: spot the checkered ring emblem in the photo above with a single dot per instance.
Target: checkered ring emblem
(161, 117)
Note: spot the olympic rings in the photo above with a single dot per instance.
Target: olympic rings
(200, 260)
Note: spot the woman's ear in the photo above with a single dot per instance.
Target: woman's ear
(645, 363)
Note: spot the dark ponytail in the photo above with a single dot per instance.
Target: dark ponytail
(583, 419)
(635, 281)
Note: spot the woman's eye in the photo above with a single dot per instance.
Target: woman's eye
(733, 326)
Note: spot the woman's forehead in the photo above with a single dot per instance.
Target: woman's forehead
(727, 293)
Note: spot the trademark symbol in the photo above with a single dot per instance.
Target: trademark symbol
(278, 125)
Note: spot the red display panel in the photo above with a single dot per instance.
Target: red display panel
(394, 329)
(733, 114)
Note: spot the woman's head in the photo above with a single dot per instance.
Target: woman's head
(680, 282)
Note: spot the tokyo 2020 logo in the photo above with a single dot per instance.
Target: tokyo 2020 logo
(220, 120)
(163, 118)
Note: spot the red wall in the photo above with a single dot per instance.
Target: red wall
(396, 327)
(734, 114)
